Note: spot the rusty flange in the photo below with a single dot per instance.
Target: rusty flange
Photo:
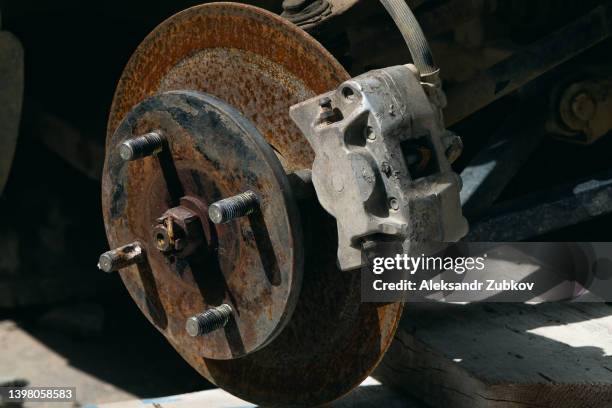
(261, 65)
(253, 264)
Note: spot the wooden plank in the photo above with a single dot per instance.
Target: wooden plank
(503, 355)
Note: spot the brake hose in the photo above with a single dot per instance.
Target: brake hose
(413, 35)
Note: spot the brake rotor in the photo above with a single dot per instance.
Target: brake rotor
(321, 341)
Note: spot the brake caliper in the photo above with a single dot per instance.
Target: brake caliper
(382, 164)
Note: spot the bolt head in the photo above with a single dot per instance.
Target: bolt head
(125, 151)
(394, 203)
(192, 326)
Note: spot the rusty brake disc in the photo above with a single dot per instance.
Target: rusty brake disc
(322, 341)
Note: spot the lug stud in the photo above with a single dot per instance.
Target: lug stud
(121, 257)
(233, 207)
(209, 321)
(141, 146)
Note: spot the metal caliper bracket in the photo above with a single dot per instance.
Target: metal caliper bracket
(381, 166)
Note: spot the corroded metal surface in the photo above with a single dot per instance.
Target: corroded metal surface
(255, 61)
(253, 264)
(261, 65)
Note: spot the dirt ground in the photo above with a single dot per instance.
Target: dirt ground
(106, 349)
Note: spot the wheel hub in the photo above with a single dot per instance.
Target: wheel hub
(254, 264)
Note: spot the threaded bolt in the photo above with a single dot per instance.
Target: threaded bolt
(233, 207)
(121, 257)
(209, 321)
(141, 146)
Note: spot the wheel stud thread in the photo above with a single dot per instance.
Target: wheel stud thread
(209, 321)
(121, 257)
(141, 146)
(233, 207)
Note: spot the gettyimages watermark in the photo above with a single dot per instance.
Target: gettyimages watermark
(490, 272)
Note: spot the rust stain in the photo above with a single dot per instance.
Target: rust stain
(261, 65)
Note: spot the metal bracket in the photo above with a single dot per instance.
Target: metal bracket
(380, 165)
